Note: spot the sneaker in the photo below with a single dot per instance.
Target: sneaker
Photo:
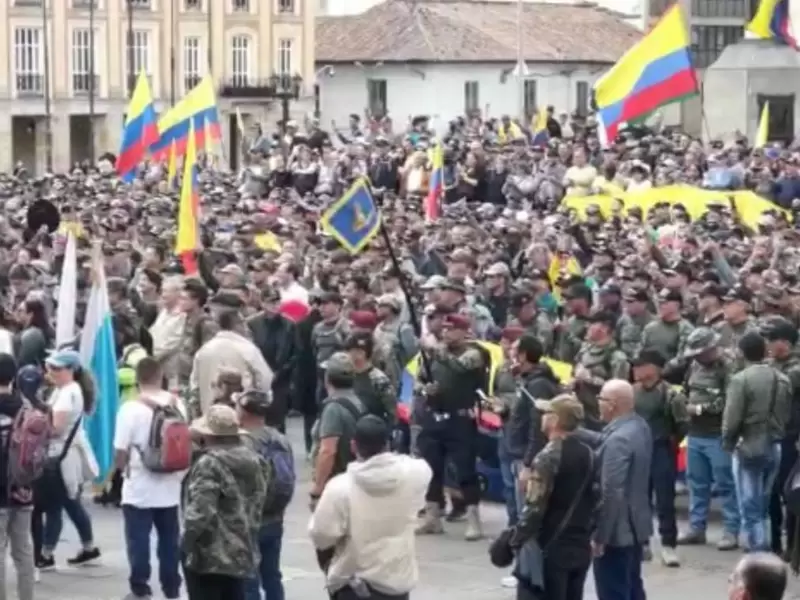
(692, 537)
(670, 558)
(728, 542)
(456, 514)
(84, 556)
(44, 564)
(37, 575)
(509, 582)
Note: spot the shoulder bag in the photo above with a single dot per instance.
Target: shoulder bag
(50, 490)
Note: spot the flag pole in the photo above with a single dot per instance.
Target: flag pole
(412, 313)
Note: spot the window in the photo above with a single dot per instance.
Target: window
(529, 98)
(138, 49)
(240, 70)
(708, 42)
(286, 6)
(471, 97)
(84, 3)
(27, 2)
(376, 97)
(191, 62)
(193, 4)
(659, 7)
(28, 60)
(285, 57)
(720, 8)
(241, 5)
(139, 3)
(83, 68)
(582, 98)
(781, 116)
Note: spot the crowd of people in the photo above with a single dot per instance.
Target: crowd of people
(678, 329)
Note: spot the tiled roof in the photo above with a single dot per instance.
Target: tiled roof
(474, 31)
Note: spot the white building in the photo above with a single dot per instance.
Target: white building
(445, 58)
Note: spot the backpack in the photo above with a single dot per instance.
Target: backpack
(278, 453)
(28, 445)
(169, 444)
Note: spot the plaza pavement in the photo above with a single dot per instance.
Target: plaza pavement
(449, 566)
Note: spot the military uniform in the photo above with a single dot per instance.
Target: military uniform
(197, 330)
(570, 338)
(729, 336)
(541, 327)
(376, 392)
(667, 338)
(226, 488)
(396, 344)
(326, 340)
(629, 333)
(604, 363)
(708, 465)
(448, 429)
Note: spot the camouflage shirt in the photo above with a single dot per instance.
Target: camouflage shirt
(729, 336)
(197, 330)
(224, 498)
(538, 489)
(629, 333)
(570, 338)
(541, 327)
(376, 393)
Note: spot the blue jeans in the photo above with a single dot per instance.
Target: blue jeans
(618, 573)
(754, 480)
(54, 523)
(706, 464)
(509, 483)
(139, 523)
(269, 570)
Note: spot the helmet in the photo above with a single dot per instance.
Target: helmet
(700, 340)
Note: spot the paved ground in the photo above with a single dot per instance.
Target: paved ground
(448, 564)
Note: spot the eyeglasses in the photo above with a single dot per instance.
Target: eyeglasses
(602, 399)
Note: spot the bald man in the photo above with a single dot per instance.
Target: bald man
(624, 523)
(758, 576)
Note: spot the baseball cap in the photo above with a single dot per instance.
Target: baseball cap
(740, 293)
(360, 341)
(650, 357)
(566, 407)
(340, 364)
(64, 359)
(254, 402)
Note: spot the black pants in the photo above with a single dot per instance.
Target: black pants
(454, 440)
(207, 586)
(348, 594)
(563, 584)
(776, 513)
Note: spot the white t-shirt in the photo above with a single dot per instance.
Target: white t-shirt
(141, 487)
(67, 399)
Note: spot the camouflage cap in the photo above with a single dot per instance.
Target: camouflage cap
(700, 340)
(566, 407)
(220, 421)
(339, 364)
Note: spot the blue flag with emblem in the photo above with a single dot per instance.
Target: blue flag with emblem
(354, 219)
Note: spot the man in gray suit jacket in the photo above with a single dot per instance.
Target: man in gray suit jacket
(624, 519)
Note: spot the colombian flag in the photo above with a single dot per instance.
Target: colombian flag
(436, 185)
(140, 130)
(656, 71)
(187, 240)
(196, 112)
(773, 22)
(172, 167)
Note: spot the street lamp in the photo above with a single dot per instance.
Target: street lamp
(285, 88)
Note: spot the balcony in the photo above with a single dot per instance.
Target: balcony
(30, 85)
(83, 4)
(139, 4)
(83, 84)
(28, 2)
(249, 88)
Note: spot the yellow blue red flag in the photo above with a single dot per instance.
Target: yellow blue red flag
(773, 21)
(140, 131)
(354, 219)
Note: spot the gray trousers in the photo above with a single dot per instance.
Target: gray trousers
(15, 533)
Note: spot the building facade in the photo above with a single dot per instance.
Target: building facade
(70, 59)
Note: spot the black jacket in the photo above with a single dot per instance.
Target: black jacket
(305, 373)
(523, 427)
(276, 337)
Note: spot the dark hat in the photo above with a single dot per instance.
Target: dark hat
(512, 332)
(611, 288)
(740, 293)
(578, 291)
(452, 284)
(700, 340)
(365, 319)
(457, 321)
(227, 299)
(603, 316)
(339, 364)
(650, 357)
(360, 341)
(254, 402)
(667, 295)
(779, 328)
(635, 295)
(712, 289)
